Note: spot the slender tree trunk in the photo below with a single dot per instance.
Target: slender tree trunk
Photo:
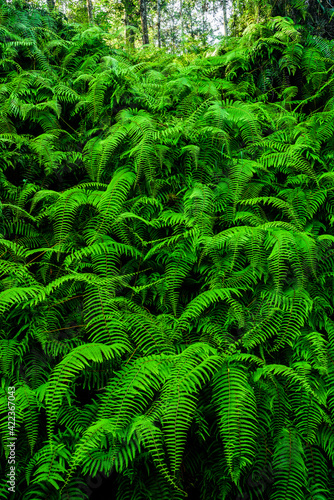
(173, 34)
(143, 18)
(129, 34)
(203, 17)
(126, 27)
(90, 11)
(225, 17)
(50, 4)
(181, 19)
(191, 25)
(159, 22)
(129, 10)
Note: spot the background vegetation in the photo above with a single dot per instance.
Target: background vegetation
(167, 256)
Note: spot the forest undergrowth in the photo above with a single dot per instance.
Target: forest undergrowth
(166, 263)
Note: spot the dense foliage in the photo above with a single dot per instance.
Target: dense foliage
(167, 262)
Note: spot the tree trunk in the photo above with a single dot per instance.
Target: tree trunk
(143, 18)
(90, 11)
(129, 34)
(173, 34)
(50, 4)
(225, 17)
(203, 17)
(130, 13)
(159, 22)
(181, 20)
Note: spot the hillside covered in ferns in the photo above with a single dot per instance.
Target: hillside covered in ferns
(166, 237)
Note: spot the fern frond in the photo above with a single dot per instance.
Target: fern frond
(289, 466)
(236, 406)
(67, 370)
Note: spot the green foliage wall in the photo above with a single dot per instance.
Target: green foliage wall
(166, 263)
